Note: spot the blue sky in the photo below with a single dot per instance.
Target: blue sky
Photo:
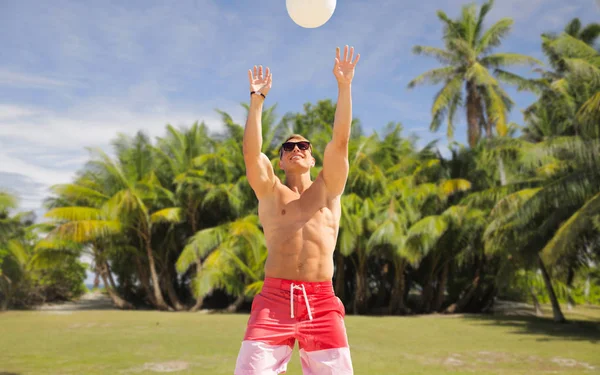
(74, 73)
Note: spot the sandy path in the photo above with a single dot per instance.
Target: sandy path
(89, 301)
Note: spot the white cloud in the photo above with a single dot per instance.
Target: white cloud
(18, 79)
(47, 145)
(46, 176)
(8, 111)
(94, 122)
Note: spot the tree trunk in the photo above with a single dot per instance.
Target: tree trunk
(111, 280)
(442, 281)
(556, 312)
(4, 304)
(501, 171)
(7, 294)
(360, 298)
(586, 291)
(199, 300)
(339, 275)
(117, 300)
(397, 297)
(236, 304)
(570, 278)
(426, 296)
(473, 114)
(160, 301)
(536, 302)
(468, 293)
(171, 292)
(144, 280)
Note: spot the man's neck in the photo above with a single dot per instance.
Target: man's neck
(298, 182)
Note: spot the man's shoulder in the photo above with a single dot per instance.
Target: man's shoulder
(276, 190)
(320, 184)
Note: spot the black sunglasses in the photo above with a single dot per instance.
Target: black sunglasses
(289, 146)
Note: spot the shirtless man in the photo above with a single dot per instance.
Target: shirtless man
(300, 219)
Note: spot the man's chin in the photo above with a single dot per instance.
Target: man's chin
(296, 168)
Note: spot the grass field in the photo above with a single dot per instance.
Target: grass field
(148, 342)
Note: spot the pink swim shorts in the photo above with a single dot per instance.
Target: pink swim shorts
(285, 311)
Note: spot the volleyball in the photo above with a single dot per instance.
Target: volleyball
(310, 13)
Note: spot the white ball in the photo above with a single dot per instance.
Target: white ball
(310, 13)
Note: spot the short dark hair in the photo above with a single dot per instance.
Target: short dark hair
(292, 137)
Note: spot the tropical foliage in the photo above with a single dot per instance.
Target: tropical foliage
(172, 224)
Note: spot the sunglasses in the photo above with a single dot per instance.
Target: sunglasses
(289, 146)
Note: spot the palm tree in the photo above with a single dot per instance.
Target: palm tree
(570, 103)
(129, 200)
(588, 35)
(234, 253)
(545, 225)
(469, 62)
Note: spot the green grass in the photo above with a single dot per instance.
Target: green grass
(120, 342)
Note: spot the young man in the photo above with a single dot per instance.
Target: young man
(300, 219)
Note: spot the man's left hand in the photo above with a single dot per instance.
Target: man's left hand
(344, 67)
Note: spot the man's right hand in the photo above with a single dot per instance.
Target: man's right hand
(258, 81)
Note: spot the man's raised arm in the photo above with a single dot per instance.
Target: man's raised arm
(258, 167)
(335, 160)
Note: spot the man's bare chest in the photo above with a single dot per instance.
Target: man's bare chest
(308, 209)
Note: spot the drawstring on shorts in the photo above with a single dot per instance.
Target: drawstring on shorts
(299, 287)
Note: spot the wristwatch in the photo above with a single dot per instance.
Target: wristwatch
(259, 93)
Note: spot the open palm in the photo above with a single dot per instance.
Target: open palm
(344, 67)
(258, 81)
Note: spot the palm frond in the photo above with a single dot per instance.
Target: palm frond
(483, 11)
(19, 252)
(448, 95)
(253, 289)
(493, 36)
(590, 33)
(7, 201)
(565, 239)
(589, 113)
(125, 203)
(463, 48)
(480, 75)
(450, 187)
(87, 230)
(569, 46)
(468, 23)
(584, 69)
(77, 192)
(521, 83)
(169, 215)
(75, 213)
(496, 110)
(434, 76)
(200, 245)
(498, 60)
(443, 56)
(423, 236)
(512, 202)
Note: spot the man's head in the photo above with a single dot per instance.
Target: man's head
(295, 154)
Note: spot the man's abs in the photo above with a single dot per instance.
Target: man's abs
(300, 234)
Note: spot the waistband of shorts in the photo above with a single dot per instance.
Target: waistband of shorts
(309, 286)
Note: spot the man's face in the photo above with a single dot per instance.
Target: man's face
(296, 155)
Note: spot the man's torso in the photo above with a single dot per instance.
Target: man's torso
(300, 231)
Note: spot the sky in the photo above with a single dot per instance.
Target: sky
(75, 73)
